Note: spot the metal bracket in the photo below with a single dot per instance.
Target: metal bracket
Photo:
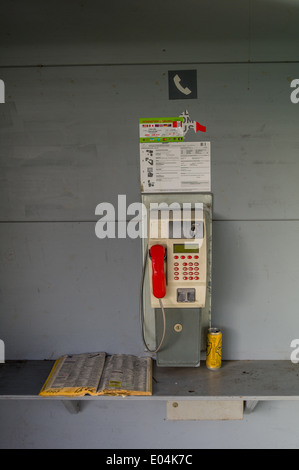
(250, 405)
(72, 406)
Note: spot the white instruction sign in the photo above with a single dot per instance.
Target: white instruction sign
(175, 167)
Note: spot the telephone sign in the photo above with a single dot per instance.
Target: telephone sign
(182, 84)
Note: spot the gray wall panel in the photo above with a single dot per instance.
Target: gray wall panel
(65, 290)
(142, 425)
(92, 32)
(82, 32)
(69, 138)
(274, 32)
(255, 295)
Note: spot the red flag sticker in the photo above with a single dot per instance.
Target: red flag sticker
(189, 124)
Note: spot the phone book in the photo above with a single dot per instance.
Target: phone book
(99, 374)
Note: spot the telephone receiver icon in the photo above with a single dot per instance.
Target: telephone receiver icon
(185, 91)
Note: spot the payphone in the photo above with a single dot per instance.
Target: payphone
(178, 266)
(176, 281)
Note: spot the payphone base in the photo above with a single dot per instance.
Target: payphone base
(182, 343)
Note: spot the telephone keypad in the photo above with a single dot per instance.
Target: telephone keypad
(186, 271)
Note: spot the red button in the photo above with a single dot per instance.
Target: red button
(176, 264)
(183, 257)
(189, 257)
(176, 269)
(176, 257)
(196, 256)
(176, 278)
(184, 264)
(196, 278)
(196, 269)
(196, 264)
(190, 278)
(190, 264)
(185, 278)
(185, 269)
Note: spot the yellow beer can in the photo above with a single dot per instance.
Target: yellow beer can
(214, 348)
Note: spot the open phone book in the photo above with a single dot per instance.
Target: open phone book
(99, 374)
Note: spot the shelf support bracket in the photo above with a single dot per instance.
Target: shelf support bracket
(250, 405)
(72, 406)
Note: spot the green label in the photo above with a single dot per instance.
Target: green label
(160, 119)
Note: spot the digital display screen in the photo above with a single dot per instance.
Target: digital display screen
(185, 248)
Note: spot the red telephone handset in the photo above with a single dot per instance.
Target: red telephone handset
(157, 255)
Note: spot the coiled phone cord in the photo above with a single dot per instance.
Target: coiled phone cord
(141, 310)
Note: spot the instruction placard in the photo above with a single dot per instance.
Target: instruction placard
(175, 167)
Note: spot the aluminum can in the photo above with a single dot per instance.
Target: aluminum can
(214, 348)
